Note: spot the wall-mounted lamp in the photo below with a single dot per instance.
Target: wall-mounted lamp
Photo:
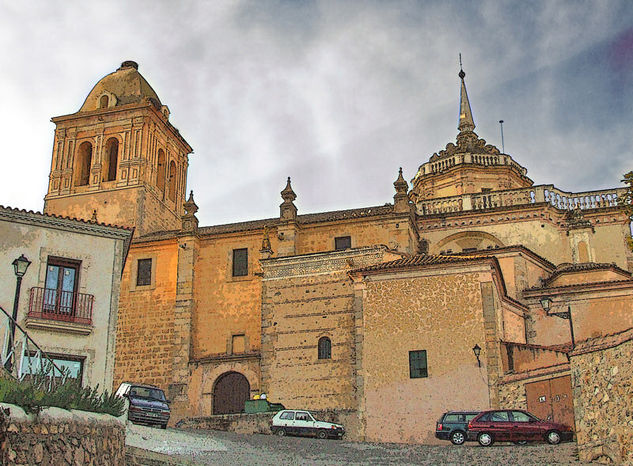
(546, 304)
(477, 351)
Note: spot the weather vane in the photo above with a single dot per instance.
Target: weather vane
(460, 62)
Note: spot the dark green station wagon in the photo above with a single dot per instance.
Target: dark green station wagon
(453, 426)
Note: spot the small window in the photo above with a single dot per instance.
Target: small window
(325, 348)
(103, 101)
(144, 272)
(417, 364)
(240, 262)
(342, 242)
(289, 415)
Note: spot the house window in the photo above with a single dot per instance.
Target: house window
(342, 242)
(72, 366)
(60, 290)
(144, 272)
(325, 348)
(417, 364)
(240, 262)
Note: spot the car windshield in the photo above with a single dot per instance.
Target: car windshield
(149, 393)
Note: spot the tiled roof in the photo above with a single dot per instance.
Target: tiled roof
(598, 343)
(511, 248)
(418, 260)
(558, 348)
(61, 217)
(237, 227)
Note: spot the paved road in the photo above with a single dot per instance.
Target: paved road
(227, 448)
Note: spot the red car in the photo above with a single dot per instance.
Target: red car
(515, 426)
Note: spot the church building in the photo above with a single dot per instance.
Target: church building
(470, 289)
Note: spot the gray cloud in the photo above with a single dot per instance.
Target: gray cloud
(336, 94)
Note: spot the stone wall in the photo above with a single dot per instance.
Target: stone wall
(602, 384)
(57, 436)
(259, 423)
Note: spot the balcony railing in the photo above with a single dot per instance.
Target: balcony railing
(524, 196)
(59, 305)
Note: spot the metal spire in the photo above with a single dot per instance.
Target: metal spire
(466, 122)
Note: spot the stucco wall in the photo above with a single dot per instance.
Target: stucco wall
(441, 314)
(602, 384)
(99, 274)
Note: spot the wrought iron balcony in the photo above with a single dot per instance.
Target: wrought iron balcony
(65, 306)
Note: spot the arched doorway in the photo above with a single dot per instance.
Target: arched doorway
(231, 391)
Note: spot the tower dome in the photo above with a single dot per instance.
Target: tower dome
(125, 86)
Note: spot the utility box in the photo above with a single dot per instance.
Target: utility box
(261, 406)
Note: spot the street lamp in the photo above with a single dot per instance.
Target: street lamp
(546, 304)
(477, 351)
(20, 265)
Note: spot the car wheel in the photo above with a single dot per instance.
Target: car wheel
(485, 439)
(281, 432)
(322, 434)
(458, 437)
(553, 437)
(520, 442)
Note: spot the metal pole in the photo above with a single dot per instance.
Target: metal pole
(571, 327)
(503, 148)
(9, 363)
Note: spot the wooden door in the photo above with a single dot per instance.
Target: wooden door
(551, 400)
(230, 393)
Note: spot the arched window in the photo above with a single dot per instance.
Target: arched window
(325, 348)
(160, 173)
(172, 180)
(84, 162)
(111, 159)
(103, 101)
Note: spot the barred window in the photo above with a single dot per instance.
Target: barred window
(325, 348)
(240, 262)
(144, 272)
(417, 364)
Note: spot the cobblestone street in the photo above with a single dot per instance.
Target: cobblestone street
(227, 448)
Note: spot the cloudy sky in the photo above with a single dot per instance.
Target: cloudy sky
(335, 94)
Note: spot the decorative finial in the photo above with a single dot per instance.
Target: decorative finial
(466, 122)
(189, 219)
(401, 198)
(288, 194)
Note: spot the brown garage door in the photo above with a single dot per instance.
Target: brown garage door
(551, 400)
(231, 391)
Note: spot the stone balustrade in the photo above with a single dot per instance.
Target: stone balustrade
(513, 197)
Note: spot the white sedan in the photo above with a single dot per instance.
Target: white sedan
(290, 421)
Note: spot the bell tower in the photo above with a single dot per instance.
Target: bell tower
(119, 158)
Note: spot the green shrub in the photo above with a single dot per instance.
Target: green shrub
(36, 392)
